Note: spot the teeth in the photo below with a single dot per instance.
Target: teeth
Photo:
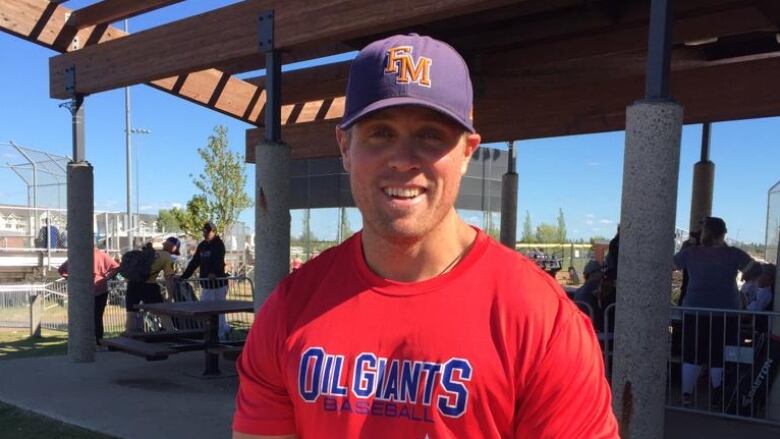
(402, 192)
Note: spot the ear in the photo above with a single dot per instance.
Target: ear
(472, 143)
(343, 139)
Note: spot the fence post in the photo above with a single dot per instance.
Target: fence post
(36, 313)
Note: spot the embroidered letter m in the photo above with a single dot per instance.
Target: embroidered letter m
(407, 71)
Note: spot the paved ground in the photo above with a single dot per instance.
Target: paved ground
(128, 397)
(125, 396)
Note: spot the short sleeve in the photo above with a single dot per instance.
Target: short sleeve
(568, 396)
(263, 405)
(681, 259)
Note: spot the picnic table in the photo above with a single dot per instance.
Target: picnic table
(208, 311)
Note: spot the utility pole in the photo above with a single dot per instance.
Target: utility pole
(128, 165)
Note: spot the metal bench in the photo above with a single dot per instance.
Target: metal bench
(150, 351)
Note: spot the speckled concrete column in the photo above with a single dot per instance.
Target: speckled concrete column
(647, 221)
(81, 300)
(272, 217)
(701, 195)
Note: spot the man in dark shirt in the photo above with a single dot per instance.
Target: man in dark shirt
(210, 258)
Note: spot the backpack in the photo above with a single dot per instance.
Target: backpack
(136, 264)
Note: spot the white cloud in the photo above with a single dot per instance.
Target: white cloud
(593, 164)
(590, 215)
(589, 222)
(177, 205)
(606, 221)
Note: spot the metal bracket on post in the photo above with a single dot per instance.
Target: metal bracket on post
(70, 80)
(265, 31)
(273, 72)
(76, 108)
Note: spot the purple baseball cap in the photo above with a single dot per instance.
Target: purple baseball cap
(409, 70)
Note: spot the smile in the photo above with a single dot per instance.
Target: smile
(404, 193)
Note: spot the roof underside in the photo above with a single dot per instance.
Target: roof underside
(540, 67)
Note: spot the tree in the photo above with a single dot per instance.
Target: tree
(561, 226)
(169, 220)
(307, 237)
(547, 233)
(221, 184)
(528, 231)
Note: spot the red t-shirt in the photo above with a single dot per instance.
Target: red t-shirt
(492, 348)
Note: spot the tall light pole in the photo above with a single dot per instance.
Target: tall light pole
(128, 166)
(137, 179)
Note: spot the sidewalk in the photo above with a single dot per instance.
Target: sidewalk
(125, 396)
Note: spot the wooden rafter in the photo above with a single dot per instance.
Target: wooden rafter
(512, 110)
(230, 33)
(110, 11)
(45, 23)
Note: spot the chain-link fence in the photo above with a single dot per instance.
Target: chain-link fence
(772, 222)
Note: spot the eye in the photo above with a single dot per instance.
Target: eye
(381, 132)
(430, 134)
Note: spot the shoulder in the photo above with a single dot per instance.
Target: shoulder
(524, 289)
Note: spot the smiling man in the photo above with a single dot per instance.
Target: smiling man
(419, 325)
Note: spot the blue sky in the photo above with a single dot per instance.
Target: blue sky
(581, 174)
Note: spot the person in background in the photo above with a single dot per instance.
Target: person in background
(611, 269)
(761, 296)
(712, 270)
(104, 268)
(587, 293)
(48, 235)
(210, 258)
(692, 241)
(150, 291)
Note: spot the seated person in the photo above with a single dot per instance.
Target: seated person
(587, 293)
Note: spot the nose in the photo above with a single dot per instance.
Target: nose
(404, 156)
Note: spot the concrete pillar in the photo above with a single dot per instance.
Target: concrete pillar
(272, 217)
(81, 301)
(647, 224)
(701, 195)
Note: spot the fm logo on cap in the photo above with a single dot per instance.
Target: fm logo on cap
(400, 62)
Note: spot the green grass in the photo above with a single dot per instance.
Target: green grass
(16, 423)
(17, 343)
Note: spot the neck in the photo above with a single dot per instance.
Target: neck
(412, 261)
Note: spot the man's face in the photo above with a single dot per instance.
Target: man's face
(405, 165)
(208, 234)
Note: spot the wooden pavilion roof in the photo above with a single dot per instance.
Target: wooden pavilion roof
(540, 67)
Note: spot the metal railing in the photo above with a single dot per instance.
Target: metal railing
(15, 302)
(721, 362)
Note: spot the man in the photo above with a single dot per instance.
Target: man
(149, 290)
(104, 268)
(419, 325)
(210, 257)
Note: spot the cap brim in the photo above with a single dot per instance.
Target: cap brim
(404, 100)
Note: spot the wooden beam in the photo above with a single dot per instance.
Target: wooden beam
(314, 83)
(230, 33)
(110, 11)
(612, 40)
(45, 23)
(716, 93)
(511, 109)
(308, 140)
